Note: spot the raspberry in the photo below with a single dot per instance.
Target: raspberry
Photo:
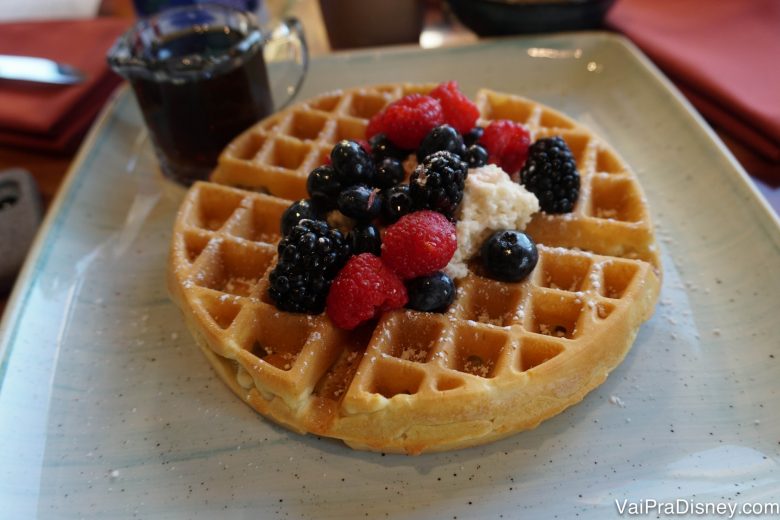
(364, 288)
(375, 125)
(419, 244)
(507, 145)
(459, 111)
(407, 121)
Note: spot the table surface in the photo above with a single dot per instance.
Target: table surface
(50, 169)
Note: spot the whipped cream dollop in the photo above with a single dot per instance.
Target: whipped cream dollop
(491, 201)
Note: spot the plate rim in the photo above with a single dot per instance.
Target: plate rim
(16, 303)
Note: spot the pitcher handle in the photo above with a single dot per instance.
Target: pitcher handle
(286, 46)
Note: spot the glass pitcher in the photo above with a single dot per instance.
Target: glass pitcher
(200, 76)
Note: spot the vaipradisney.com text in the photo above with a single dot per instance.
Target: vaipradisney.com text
(684, 506)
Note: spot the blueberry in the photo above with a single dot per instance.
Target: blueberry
(352, 163)
(389, 173)
(296, 212)
(509, 255)
(381, 147)
(432, 293)
(323, 186)
(396, 202)
(473, 136)
(441, 138)
(360, 202)
(365, 238)
(476, 156)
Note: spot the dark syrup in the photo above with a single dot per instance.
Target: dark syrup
(191, 122)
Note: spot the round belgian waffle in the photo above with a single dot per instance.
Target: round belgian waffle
(504, 357)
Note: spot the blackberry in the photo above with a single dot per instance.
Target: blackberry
(309, 258)
(509, 255)
(438, 183)
(296, 212)
(442, 137)
(551, 174)
(352, 163)
(389, 172)
(381, 148)
(396, 202)
(476, 156)
(360, 202)
(432, 293)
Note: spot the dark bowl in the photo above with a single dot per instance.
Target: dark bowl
(502, 17)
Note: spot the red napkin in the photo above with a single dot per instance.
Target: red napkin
(724, 56)
(53, 117)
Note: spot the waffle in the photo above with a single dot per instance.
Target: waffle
(505, 356)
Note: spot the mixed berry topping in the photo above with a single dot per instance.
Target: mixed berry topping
(297, 211)
(389, 172)
(324, 186)
(382, 147)
(438, 182)
(400, 235)
(473, 136)
(364, 288)
(476, 156)
(507, 145)
(397, 202)
(419, 244)
(459, 111)
(442, 138)
(509, 255)
(310, 256)
(407, 121)
(353, 165)
(365, 238)
(432, 293)
(551, 174)
(360, 202)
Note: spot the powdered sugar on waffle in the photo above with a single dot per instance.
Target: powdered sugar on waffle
(491, 201)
